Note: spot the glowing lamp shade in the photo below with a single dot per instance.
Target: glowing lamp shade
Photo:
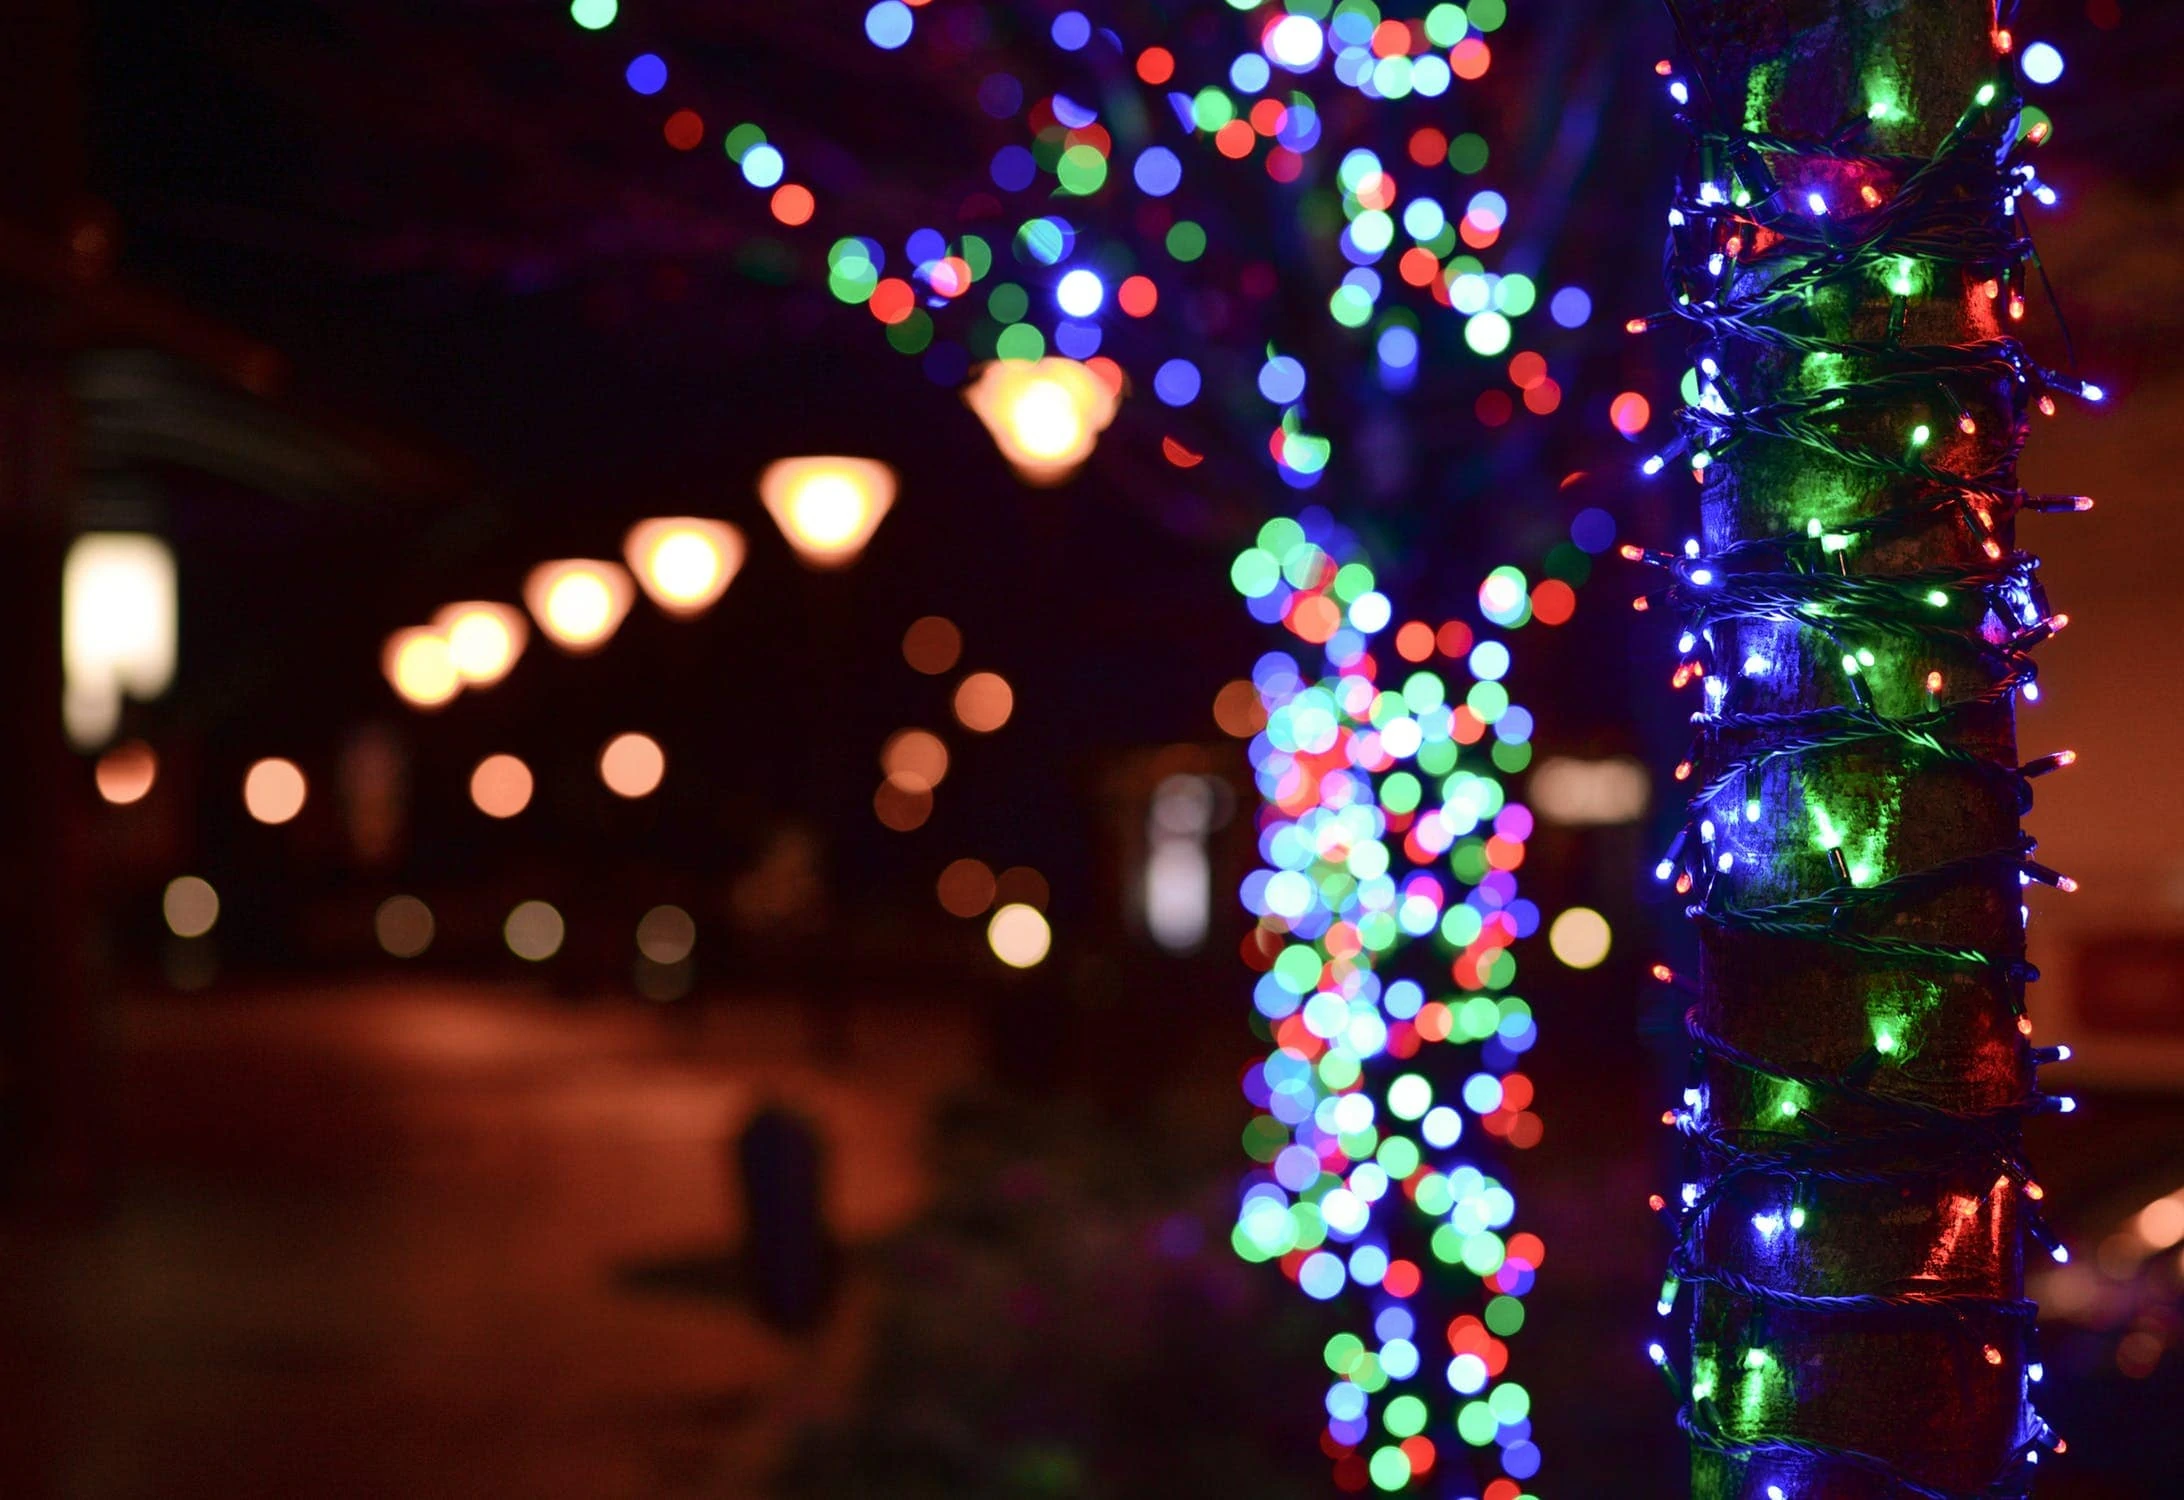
(1044, 415)
(117, 629)
(484, 639)
(420, 667)
(827, 507)
(579, 601)
(684, 563)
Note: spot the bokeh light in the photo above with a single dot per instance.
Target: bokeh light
(1237, 709)
(420, 667)
(1570, 307)
(1023, 886)
(793, 204)
(274, 790)
(1019, 936)
(902, 808)
(1157, 172)
(932, 644)
(484, 639)
(190, 906)
(2041, 63)
(1579, 937)
(666, 934)
(983, 702)
(500, 786)
(1080, 293)
(827, 505)
(1505, 596)
(763, 165)
(684, 563)
(1593, 529)
(534, 931)
(403, 925)
(1384, 823)
(126, 773)
(914, 759)
(1295, 43)
(1176, 382)
(632, 764)
(966, 888)
(889, 24)
(579, 602)
(1629, 413)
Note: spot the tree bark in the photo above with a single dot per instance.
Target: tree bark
(1937, 1396)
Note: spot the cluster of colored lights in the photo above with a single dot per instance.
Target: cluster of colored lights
(1361, 782)
(1386, 834)
(1079, 270)
(913, 762)
(1392, 59)
(762, 164)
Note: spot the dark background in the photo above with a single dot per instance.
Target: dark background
(369, 306)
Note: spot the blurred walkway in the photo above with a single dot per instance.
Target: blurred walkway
(410, 1242)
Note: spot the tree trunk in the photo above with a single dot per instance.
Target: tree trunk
(1861, 1064)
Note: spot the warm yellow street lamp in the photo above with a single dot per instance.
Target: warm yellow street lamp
(578, 602)
(827, 507)
(684, 563)
(420, 667)
(1044, 415)
(483, 639)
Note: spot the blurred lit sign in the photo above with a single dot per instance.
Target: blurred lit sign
(1579, 793)
(117, 629)
(1178, 879)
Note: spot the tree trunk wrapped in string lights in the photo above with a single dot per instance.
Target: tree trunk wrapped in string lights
(1850, 255)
